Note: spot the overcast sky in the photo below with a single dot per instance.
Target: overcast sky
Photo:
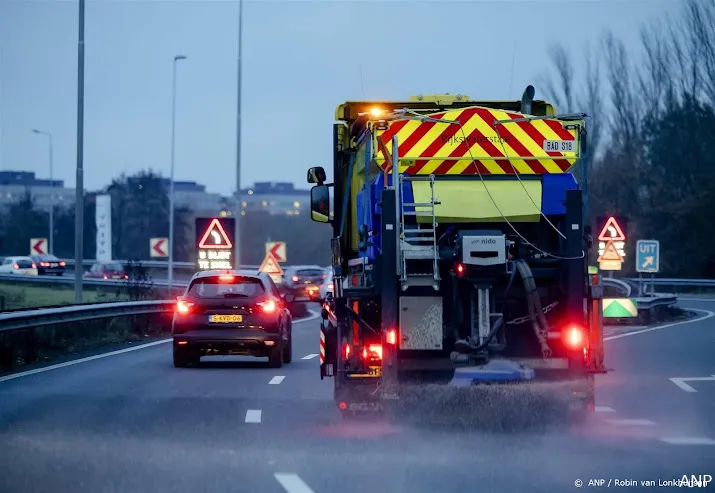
(301, 59)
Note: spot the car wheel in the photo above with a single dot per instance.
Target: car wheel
(275, 359)
(183, 358)
(288, 351)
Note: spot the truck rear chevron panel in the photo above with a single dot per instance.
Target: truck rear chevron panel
(429, 147)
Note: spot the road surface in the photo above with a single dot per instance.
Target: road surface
(131, 422)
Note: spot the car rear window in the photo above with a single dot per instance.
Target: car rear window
(24, 263)
(113, 267)
(313, 273)
(48, 258)
(226, 286)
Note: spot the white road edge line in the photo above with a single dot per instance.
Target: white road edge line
(292, 483)
(630, 422)
(309, 356)
(253, 416)
(708, 314)
(679, 382)
(313, 315)
(276, 380)
(604, 409)
(688, 441)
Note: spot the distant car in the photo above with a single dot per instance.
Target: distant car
(304, 281)
(49, 265)
(18, 265)
(327, 286)
(106, 270)
(232, 312)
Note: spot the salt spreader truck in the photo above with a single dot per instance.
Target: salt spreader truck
(459, 252)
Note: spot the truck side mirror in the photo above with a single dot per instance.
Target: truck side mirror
(320, 203)
(317, 175)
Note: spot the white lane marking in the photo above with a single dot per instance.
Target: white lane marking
(276, 380)
(309, 356)
(631, 422)
(253, 416)
(605, 409)
(680, 382)
(292, 483)
(82, 360)
(313, 315)
(688, 441)
(708, 314)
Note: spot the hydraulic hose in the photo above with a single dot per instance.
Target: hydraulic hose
(536, 314)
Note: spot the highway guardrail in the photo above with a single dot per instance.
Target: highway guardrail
(153, 264)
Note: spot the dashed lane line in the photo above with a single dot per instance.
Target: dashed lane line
(688, 441)
(276, 380)
(292, 483)
(604, 409)
(253, 416)
(309, 356)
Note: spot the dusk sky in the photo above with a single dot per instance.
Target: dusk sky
(301, 59)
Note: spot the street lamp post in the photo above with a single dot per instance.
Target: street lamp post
(79, 185)
(237, 248)
(51, 237)
(177, 58)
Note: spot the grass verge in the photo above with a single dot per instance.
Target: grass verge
(18, 297)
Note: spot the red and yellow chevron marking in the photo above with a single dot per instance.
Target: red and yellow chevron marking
(322, 346)
(428, 147)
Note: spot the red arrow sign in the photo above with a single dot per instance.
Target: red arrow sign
(158, 249)
(38, 247)
(274, 251)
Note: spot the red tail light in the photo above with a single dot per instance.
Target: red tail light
(184, 307)
(295, 278)
(225, 277)
(574, 337)
(391, 337)
(34, 266)
(459, 269)
(346, 351)
(63, 263)
(15, 266)
(268, 306)
(373, 351)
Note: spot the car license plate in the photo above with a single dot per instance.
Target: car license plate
(226, 319)
(116, 277)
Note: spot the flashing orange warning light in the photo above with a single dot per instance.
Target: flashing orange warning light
(216, 232)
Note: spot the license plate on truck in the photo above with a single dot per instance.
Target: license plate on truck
(373, 372)
(226, 319)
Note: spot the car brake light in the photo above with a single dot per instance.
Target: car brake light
(268, 306)
(15, 266)
(295, 278)
(34, 266)
(346, 351)
(330, 286)
(225, 277)
(391, 337)
(63, 263)
(373, 351)
(183, 307)
(574, 337)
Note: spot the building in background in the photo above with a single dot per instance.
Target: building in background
(277, 198)
(195, 197)
(15, 184)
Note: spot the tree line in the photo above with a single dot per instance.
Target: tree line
(651, 133)
(140, 211)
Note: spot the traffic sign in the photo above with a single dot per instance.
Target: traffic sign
(278, 249)
(610, 258)
(215, 237)
(38, 246)
(214, 242)
(619, 308)
(271, 267)
(159, 247)
(611, 231)
(648, 256)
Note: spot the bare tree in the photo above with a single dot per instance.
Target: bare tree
(560, 88)
(591, 100)
(699, 24)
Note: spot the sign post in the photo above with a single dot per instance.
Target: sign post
(278, 250)
(611, 245)
(214, 242)
(38, 246)
(158, 247)
(648, 256)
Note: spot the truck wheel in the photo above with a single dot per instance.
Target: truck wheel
(275, 359)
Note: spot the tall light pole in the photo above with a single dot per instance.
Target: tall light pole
(177, 58)
(51, 238)
(237, 248)
(79, 185)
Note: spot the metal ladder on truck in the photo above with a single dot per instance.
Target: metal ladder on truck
(418, 244)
